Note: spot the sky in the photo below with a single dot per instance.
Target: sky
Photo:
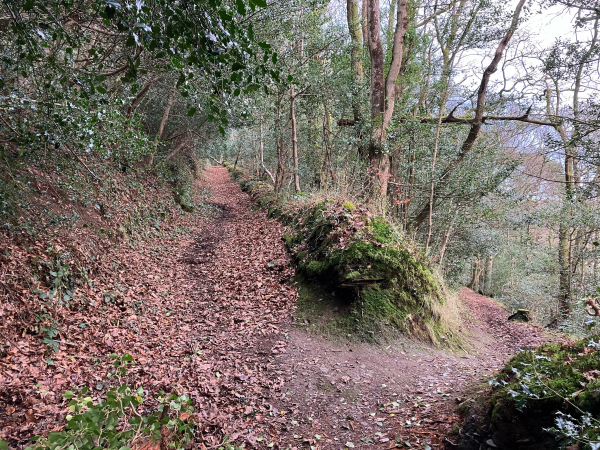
(550, 25)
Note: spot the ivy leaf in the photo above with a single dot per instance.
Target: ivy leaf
(251, 88)
(241, 7)
(260, 3)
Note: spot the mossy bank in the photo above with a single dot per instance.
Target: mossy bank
(547, 398)
(357, 275)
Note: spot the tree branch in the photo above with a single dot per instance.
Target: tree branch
(435, 14)
(141, 94)
(123, 68)
(477, 122)
(97, 30)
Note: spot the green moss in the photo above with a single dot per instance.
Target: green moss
(288, 239)
(316, 268)
(535, 384)
(339, 246)
(393, 290)
(382, 231)
(558, 372)
(349, 206)
(380, 305)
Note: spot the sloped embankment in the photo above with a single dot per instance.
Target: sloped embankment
(380, 283)
(548, 397)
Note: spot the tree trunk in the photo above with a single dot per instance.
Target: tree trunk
(262, 152)
(183, 144)
(280, 147)
(565, 261)
(377, 71)
(433, 163)
(564, 267)
(163, 121)
(294, 139)
(487, 280)
(447, 237)
(140, 95)
(356, 37)
(383, 94)
(237, 157)
(327, 132)
(474, 275)
(389, 32)
(364, 23)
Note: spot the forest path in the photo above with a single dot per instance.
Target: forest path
(322, 393)
(206, 306)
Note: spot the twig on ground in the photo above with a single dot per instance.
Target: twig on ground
(13, 344)
(83, 163)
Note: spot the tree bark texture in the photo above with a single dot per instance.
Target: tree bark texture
(262, 153)
(280, 146)
(294, 139)
(163, 122)
(383, 92)
(355, 55)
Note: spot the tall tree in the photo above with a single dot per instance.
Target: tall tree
(383, 92)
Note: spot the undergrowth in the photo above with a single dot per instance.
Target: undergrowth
(118, 421)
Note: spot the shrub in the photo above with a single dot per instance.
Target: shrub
(117, 423)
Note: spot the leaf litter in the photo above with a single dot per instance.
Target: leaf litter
(209, 314)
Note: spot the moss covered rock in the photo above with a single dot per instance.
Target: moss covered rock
(544, 398)
(364, 258)
(358, 264)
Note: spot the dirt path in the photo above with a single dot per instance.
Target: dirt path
(202, 308)
(405, 393)
(325, 394)
(209, 313)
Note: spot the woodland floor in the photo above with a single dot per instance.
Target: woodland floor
(215, 320)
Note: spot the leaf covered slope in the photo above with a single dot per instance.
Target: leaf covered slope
(384, 284)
